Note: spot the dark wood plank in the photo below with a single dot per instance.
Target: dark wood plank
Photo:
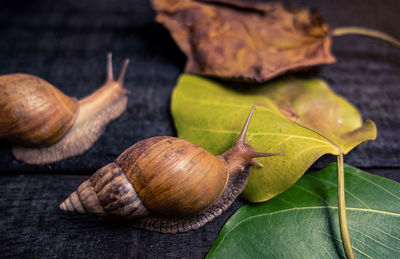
(32, 225)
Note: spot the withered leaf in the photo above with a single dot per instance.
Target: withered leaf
(250, 41)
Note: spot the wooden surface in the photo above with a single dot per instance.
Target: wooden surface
(66, 43)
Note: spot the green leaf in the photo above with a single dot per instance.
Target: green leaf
(303, 117)
(303, 222)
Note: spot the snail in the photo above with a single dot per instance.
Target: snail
(48, 126)
(166, 184)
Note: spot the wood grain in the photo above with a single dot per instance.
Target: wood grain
(33, 226)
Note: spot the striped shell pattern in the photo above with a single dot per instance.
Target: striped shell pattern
(161, 175)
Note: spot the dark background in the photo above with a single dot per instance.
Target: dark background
(65, 42)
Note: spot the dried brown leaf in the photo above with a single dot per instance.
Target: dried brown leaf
(251, 41)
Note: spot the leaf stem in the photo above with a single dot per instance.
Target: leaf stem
(366, 32)
(344, 231)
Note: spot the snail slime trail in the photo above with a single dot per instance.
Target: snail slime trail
(48, 126)
(166, 184)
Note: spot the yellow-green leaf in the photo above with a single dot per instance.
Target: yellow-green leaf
(302, 117)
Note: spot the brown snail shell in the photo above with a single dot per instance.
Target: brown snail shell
(167, 184)
(173, 176)
(49, 126)
(34, 113)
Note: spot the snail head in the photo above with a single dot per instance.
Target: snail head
(242, 153)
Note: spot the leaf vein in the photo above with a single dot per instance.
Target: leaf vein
(313, 193)
(377, 186)
(288, 202)
(387, 234)
(358, 250)
(346, 191)
(220, 131)
(367, 236)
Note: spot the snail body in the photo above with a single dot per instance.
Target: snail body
(167, 184)
(47, 125)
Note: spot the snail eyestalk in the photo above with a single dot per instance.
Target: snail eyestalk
(366, 32)
(110, 74)
(242, 153)
(344, 231)
(121, 77)
(242, 134)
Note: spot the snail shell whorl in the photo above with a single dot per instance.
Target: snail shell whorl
(83, 200)
(173, 176)
(107, 192)
(116, 193)
(33, 112)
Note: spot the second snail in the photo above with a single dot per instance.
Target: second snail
(166, 184)
(48, 126)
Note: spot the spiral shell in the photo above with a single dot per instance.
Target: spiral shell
(107, 192)
(33, 112)
(167, 175)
